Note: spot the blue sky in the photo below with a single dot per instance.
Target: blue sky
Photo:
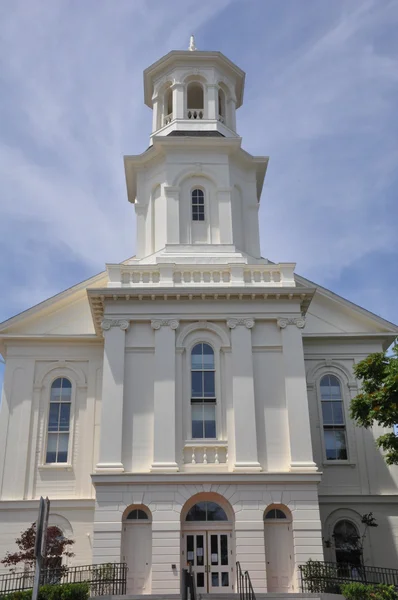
(321, 98)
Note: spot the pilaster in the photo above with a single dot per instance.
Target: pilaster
(301, 456)
(164, 445)
(173, 214)
(141, 211)
(110, 452)
(178, 100)
(246, 454)
(225, 212)
(212, 101)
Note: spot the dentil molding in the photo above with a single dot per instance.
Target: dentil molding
(233, 323)
(298, 321)
(158, 323)
(106, 324)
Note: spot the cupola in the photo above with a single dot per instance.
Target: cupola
(191, 91)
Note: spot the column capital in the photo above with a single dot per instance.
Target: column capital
(247, 322)
(158, 323)
(284, 322)
(123, 324)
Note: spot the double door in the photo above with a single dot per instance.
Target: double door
(210, 555)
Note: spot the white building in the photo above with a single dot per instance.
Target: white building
(191, 404)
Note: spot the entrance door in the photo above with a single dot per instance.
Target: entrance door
(278, 553)
(137, 551)
(209, 553)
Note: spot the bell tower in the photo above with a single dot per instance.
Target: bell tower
(196, 192)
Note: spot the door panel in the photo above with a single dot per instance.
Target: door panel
(196, 552)
(278, 553)
(138, 542)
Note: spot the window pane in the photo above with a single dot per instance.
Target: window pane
(327, 413)
(208, 357)
(224, 549)
(53, 417)
(200, 550)
(215, 512)
(52, 448)
(64, 417)
(338, 418)
(214, 580)
(197, 384)
(200, 580)
(225, 579)
(197, 420)
(63, 447)
(330, 445)
(56, 390)
(197, 512)
(341, 449)
(209, 391)
(214, 549)
(197, 361)
(210, 421)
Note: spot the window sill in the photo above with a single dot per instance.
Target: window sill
(56, 466)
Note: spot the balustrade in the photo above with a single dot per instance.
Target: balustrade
(195, 113)
(168, 119)
(211, 454)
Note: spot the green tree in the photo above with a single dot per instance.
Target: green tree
(378, 400)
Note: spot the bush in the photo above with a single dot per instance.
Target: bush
(67, 591)
(363, 591)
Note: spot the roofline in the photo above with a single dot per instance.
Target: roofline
(393, 328)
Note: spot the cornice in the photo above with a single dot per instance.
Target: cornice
(98, 297)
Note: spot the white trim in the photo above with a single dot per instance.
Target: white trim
(322, 372)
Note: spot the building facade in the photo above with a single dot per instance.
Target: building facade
(191, 405)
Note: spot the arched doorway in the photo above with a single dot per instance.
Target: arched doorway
(207, 543)
(346, 543)
(137, 549)
(278, 538)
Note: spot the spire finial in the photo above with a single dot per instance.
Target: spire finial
(192, 46)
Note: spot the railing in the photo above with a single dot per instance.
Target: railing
(221, 119)
(195, 113)
(245, 588)
(188, 584)
(168, 119)
(327, 577)
(211, 453)
(104, 579)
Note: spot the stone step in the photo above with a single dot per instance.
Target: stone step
(227, 596)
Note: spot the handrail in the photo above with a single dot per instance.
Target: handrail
(188, 584)
(245, 588)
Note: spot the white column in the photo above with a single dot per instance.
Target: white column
(225, 215)
(172, 214)
(155, 113)
(110, 452)
(141, 212)
(301, 457)
(231, 123)
(212, 101)
(246, 456)
(178, 100)
(164, 442)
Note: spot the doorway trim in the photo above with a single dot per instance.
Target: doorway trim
(137, 521)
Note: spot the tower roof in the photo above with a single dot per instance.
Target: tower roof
(184, 58)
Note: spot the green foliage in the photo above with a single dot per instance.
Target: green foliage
(363, 591)
(68, 591)
(378, 400)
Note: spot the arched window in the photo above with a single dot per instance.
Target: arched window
(275, 513)
(198, 205)
(137, 515)
(206, 511)
(221, 105)
(168, 106)
(346, 542)
(59, 421)
(333, 418)
(195, 100)
(203, 393)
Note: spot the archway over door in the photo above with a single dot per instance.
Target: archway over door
(207, 523)
(137, 548)
(278, 538)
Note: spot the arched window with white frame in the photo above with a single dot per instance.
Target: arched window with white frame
(58, 428)
(198, 204)
(203, 392)
(334, 429)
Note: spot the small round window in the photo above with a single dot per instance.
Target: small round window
(137, 515)
(275, 513)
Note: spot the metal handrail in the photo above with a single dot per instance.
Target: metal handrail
(188, 584)
(245, 588)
